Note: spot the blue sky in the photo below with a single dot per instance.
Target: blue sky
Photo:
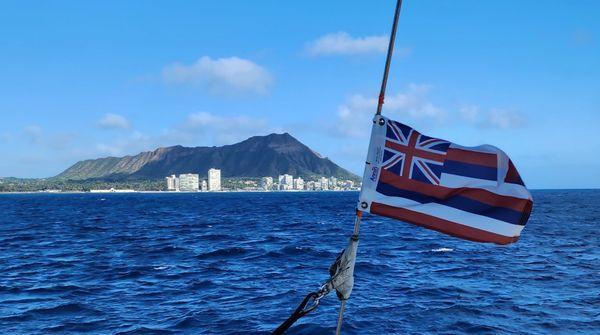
(85, 80)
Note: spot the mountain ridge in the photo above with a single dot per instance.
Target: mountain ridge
(257, 156)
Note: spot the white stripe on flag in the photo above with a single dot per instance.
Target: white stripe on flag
(511, 190)
(450, 214)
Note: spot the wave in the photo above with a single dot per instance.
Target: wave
(215, 237)
(79, 327)
(223, 253)
(67, 308)
(145, 331)
(294, 252)
(53, 289)
(442, 250)
(61, 310)
(201, 284)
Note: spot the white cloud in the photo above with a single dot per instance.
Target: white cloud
(114, 121)
(412, 105)
(341, 43)
(494, 118)
(222, 76)
(505, 119)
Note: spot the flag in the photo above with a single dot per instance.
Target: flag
(474, 193)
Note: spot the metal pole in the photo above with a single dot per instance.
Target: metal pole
(388, 60)
(355, 233)
(380, 102)
(338, 330)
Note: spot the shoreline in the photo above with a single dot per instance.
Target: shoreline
(178, 192)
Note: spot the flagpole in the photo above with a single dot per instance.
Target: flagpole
(380, 102)
(388, 59)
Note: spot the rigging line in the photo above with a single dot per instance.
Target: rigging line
(388, 59)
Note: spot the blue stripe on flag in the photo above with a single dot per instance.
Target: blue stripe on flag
(458, 202)
(470, 170)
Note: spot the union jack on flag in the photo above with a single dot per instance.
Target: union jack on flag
(412, 155)
(474, 193)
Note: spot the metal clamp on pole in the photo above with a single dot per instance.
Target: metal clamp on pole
(341, 279)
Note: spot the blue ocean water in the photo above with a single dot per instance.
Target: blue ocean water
(238, 263)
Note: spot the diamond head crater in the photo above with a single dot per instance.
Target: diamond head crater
(242, 166)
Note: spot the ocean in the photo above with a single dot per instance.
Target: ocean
(239, 263)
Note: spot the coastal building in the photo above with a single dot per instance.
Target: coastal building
(266, 183)
(214, 180)
(298, 184)
(324, 183)
(189, 182)
(203, 186)
(333, 183)
(172, 183)
(286, 182)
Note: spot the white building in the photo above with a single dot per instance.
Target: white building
(333, 183)
(298, 184)
(189, 182)
(324, 183)
(266, 183)
(214, 180)
(286, 182)
(172, 183)
(203, 186)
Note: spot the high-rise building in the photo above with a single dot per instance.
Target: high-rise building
(214, 180)
(333, 183)
(298, 184)
(266, 183)
(188, 182)
(172, 183)
(286, 182)
(324, 183)
(203, 186)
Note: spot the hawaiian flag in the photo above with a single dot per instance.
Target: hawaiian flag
(474, 193)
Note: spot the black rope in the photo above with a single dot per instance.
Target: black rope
(298, 313)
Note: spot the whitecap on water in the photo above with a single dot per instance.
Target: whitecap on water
(442, 250)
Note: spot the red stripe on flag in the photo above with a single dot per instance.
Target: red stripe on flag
(411, 150)
(472, 157)
(442, 192)
(441, 225)
(512, 175)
